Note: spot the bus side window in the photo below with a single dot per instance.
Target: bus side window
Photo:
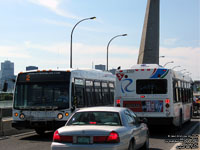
(111, 92)
(105, 94)
(97, 93)
(89, 93)
(174, 91)
(79, 93)
(180, 94)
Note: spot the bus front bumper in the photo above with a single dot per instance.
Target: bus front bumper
(47, 125)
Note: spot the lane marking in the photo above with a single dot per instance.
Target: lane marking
(26, 133)
(193, 128)
(188, 133)
(174, 147)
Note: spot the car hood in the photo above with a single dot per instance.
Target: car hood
(88, 130)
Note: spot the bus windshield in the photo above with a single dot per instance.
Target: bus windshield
(43, 94)
(151, 86)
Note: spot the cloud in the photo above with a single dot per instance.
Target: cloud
(59, 23)
(13, 52)
(57, 55)
(53, 5)
(170, 41)
(186, 57)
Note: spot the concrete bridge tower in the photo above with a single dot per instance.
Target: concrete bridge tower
(149, 46)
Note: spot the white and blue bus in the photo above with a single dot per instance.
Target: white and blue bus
(44, 100)
(161, 95)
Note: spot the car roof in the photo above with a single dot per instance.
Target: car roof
(105, 109)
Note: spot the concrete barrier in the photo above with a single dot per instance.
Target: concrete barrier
(6, 128)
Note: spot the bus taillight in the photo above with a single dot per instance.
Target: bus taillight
(167, 101)
(118, 102)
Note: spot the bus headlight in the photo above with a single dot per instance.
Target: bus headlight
(21, 116)
(60, 116)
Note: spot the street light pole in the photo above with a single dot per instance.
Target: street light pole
(109, 44)
(182, 70)
(176, 67)
(168, 63)
(186, 72)
(71, 37)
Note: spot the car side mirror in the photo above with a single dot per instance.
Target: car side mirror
(143, 120)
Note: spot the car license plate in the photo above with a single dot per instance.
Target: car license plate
(83, 140)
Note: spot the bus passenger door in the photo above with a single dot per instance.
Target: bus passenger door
(78, 100)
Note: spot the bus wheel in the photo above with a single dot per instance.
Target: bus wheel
(180, 121)
(40, 131)
(191, 114)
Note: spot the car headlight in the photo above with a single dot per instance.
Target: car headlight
(22, 116)
(60, 116)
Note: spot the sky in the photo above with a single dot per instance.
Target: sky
(38, 32)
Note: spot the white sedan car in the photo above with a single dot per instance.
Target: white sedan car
(102, 128)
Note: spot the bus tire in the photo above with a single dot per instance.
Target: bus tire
(180, 120)
(191, 114)
(40, 131)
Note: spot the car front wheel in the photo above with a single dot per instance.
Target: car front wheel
(146, 144)
(131, 145)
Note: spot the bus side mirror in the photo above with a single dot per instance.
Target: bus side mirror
(74, 104)
(5, 87)
(73, 108)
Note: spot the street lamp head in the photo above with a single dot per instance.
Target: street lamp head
(176, 67)
(124, 34)
(93, 18)
(168, 63)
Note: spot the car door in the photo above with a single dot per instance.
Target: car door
(133, 128)
(141, 127)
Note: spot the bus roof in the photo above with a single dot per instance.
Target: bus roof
(175, 74)
(81, 73)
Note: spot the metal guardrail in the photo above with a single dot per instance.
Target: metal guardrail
(5, 104)
(4, 113)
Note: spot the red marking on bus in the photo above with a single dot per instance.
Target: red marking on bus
(119, 76)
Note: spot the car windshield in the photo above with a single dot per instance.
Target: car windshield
(95, 118)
